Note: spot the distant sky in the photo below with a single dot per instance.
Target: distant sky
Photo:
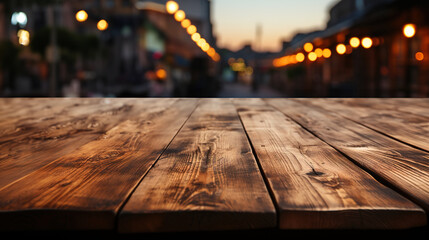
(235, 21)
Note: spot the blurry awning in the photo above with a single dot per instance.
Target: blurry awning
(358, 18)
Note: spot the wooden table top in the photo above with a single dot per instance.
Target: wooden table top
(178, 165)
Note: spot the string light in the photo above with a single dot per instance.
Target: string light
(308, 47)
(367, 42)
(341, 49)
(172, 7)
(355, 42)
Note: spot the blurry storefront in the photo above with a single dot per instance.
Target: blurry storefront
(377, 48)
(138, 51)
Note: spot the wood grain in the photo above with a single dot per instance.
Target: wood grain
(84, 190)
(401, 166)
(41, 135)
(208, 179)
(410, 128)
(315, 186)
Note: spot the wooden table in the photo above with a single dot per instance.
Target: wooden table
(190, 165)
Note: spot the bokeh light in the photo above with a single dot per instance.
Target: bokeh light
(367, 42)
(179, 15)
(355, 42)
(327, 53)
(308, 47)
(341, 49)
(420, 56)
(191, 29)
(102, 25)
(186, 23)
(172, 7)
(409, 30)
(312, 56)
(81, 16)
(300, 57)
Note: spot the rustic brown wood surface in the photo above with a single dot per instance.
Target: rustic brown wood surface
(86, 188)
(315, 186)
(403, 167)
(162, 165)
(208, 179)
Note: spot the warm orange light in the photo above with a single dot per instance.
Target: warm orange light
(420, 56)
(81, 16)
(211, 52)
(161, 74)
(308, 47)
(319, 52)
(186, 23)
(191, 29)
(341, 49)
(201, 42)
(102, 25)
(216, 57)
(409, 30)
(300, 57)
(23, 37)
(172, 7)
(195, 37)
(205, 47)
(179, 15)
(327, 53)
(312, 56)
(355, 42)
(367, 42)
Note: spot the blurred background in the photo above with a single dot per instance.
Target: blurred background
(214, 48)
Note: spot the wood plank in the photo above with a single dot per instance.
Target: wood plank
(208, 179)
(84, 190)
(58, 129)
(409, 128)
(315, 186)
(401, 166)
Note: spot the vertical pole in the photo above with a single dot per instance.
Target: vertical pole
(53, 52)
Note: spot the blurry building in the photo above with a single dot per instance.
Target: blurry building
(390, 64)
(143, 52)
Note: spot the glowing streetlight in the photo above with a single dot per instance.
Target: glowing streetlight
(81, 16)
(367, 42)
(409, 30)
(355, 42)
(102, 25)
(341, 49)
(180, 16)
(172, 7)
(308, 47)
